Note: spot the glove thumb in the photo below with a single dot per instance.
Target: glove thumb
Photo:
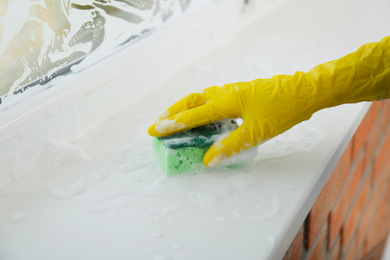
(236, 142)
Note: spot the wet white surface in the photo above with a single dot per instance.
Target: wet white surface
(69, 193)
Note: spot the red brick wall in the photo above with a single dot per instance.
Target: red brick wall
(351, 217)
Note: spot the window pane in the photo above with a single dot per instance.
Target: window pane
(40, 39)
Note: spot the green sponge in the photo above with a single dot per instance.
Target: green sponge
(183, 152)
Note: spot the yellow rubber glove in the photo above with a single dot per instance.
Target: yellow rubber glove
(269, 107)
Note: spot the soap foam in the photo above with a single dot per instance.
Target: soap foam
(165, 114)
(110, 191)
(301, 138)
(27, 172)
(168, 126)
(244, 156)
(258, 214)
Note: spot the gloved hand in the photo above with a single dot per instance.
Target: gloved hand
(269, 107)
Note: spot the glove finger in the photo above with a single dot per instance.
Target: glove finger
(190, 101)
(185, 120)
(237, 141)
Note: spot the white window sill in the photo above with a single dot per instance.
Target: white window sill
(77, 174)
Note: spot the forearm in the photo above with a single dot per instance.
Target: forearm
(363, 75)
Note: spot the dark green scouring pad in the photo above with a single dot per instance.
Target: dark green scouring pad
(183, 152)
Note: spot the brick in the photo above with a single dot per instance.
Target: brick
(386, 215)
(386, 208)
(368, 218)
(377, 132)
(336, 219)
(378, 210)
(378, 192)
(387, 195)
(348, 229)
(373, 141)
(375, 253)
(321, 208)
(359, 167)
(382, 157)
(351, 252)
(379, 229)
(362, 200)
(338, 213)
(361, 134)
(335, 253)
(295, 250)
(351, 224)
(386, 170)
(318, 251)
(359, 239)
(366, 247)
(385, 115)
(379, 185)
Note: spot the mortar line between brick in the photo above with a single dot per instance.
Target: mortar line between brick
(377, 123)
(360, 217)
(376, 207)
(308, 251)
(332, 247)
(365, 176)
(351, 170)
(377, 151)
